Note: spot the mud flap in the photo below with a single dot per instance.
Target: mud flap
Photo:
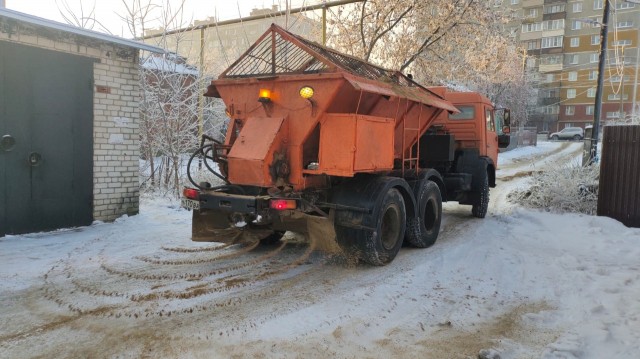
(322, 234)
(212, 226)
(215, 226)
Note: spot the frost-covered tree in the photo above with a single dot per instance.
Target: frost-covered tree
(173, 111)
(459, 42)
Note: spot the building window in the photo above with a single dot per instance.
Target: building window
(597, 4)
(593, 58)
(613, 114)
(595, 21)
(548, 42)
(577, 7)
(593, 75)
(595, 39)
(576, 25)
(624, 5)
(568, 125)
(552, 9)
(573, 76)
(618, 78)
(575, 41)
(550, 78)
(570, 110)
(616, 96)
(615, 59)
(551, 110)
(589, 110)
(531, 13)
(591, 92)
(532, 27)
(622, 43)
(553, 24)
(551, 60)
(573, 59)
(625, 24)
(515, 2)
(533, 45)
(571, 93)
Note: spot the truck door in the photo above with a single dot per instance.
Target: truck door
(491, 136)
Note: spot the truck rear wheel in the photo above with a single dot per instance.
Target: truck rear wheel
(381, 245)
(423, 230)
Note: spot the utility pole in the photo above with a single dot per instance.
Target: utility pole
(604, 29)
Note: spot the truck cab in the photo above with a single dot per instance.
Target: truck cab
(479, 125)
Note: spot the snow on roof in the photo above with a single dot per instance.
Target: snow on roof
(169, 62)
(38, 21)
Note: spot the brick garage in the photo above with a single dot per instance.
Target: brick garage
(57, 81)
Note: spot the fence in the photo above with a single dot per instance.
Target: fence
(527, 136)
(619, 190)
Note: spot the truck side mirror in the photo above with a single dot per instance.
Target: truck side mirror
(507, 117)
(505, 138)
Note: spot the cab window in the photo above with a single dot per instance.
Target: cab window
(490, 125)
(466, 113)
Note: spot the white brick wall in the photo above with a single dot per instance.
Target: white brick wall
(115, 118)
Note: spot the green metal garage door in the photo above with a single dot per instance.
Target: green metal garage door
(46, 126)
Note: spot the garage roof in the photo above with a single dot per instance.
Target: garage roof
(38, 21)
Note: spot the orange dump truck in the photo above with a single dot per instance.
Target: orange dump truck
(319, 141)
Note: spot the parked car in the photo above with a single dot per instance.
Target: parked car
(568, 133)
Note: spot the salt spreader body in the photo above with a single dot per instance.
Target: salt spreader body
(320, 142)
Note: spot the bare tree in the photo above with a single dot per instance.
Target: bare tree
(172, 108)
(83, 15)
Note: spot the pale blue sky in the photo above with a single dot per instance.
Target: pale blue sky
(106, 9)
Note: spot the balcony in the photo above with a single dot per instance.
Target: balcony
(551, 50)
(550, 67)
(555, 16)
(534, 35)
(532, 3)
(534, 52)
(551, 33)
(546, 101)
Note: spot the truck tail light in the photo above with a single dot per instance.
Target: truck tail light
(191, 193)
(283, 204)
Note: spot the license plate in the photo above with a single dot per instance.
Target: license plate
(190, 204)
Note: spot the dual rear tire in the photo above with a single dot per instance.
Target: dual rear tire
(378, 245)
(391, 226)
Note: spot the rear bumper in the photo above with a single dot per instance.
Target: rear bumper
(234, 203)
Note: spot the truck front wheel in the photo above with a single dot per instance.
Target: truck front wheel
(479, 209)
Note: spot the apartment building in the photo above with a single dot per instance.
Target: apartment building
(562, 43)
(221, 43)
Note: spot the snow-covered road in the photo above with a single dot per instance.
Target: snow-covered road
(523, 283)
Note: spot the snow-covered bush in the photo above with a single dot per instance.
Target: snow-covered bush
(566, 189)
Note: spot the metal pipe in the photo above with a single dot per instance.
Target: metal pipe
(621, 111)
(255, 17)
(201, 89)
(634, 111)
(604, 30)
